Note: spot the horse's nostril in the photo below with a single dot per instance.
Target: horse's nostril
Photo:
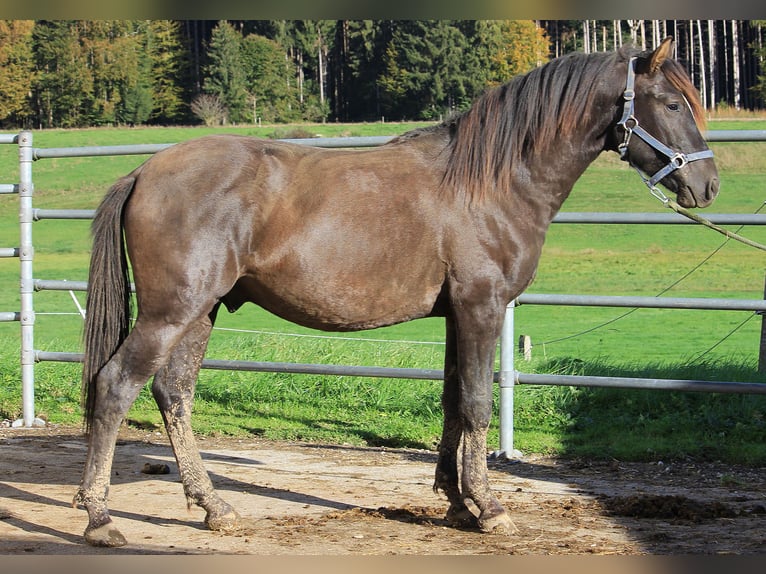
(712, 189)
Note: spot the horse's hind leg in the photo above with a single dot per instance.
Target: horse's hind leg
(117, 386)
(173, 389)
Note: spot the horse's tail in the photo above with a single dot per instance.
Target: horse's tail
(108, 307)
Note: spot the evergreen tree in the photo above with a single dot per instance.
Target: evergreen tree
(429, 70)
(120, 63)
(224, 72)
(268, 80)
(169, 71)
(63, 87)
(137, 100)
(410, 82)
(356, 64)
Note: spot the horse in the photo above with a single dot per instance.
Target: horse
(443, 221)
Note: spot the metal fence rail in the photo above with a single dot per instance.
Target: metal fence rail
(507, 376)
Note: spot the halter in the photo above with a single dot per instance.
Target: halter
(677, 160)
(629, 123)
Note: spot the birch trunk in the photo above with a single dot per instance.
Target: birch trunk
(703, 85)
(735, 63)
(711, 61)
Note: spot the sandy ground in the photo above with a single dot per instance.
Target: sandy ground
(311, 499)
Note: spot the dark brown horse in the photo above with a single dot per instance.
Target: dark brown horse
(447, 221)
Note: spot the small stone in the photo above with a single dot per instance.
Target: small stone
(155, 468)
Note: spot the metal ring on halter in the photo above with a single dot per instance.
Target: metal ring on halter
(678, 161)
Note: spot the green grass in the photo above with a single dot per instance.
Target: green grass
(608, 259)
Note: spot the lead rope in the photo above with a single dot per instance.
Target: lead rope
(667, 202)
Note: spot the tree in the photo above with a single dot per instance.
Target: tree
(169, 71)
(137, 101)
(16, 70)
(63, 87)
(432, 68)
(271, 93)
(112, 54)
(311, 46)
(224, 72)
(522, 47)
(759, 89)
(356, 63)
(422, 70)
(209, 109)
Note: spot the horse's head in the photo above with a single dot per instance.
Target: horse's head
(659, 128)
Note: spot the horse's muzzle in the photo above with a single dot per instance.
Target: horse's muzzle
(686, 197)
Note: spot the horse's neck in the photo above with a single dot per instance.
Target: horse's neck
(546, 181)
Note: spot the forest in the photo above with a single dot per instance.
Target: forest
(78, 73)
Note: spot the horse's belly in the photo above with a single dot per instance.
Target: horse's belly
(339, 303)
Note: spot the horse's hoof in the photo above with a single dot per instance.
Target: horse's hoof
(230, 521)
(499, 523)
(106, 535)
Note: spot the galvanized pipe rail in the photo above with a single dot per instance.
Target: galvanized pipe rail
(707, 303)
(507, 376)
(584, 217)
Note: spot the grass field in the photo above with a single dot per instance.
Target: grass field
(609, 259)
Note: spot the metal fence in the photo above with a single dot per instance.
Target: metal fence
(507, 377)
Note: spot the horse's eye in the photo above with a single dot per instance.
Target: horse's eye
(674, 107)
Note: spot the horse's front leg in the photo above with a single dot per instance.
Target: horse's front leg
(477, 334)
(173, 389)
(447, 478)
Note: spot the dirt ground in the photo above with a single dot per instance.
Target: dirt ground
(341, 500)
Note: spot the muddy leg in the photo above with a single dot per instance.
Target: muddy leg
(173, 389)
(477, 340)
(118, 385)
(446, 467)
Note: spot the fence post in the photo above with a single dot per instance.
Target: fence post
(507, 380)
(26, 256)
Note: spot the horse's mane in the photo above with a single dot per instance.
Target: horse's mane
(534, 111)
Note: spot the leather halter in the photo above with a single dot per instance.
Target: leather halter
(629, 123)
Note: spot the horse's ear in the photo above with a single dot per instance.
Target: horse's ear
(661, 54)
